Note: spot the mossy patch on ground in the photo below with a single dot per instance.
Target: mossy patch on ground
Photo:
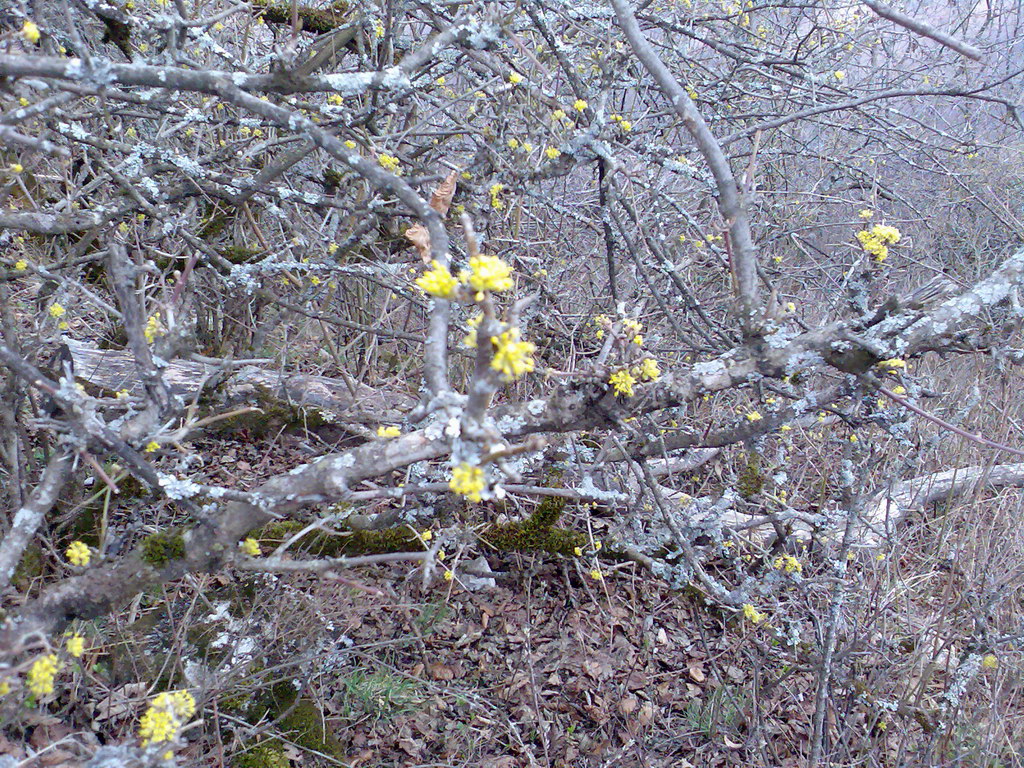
(158, 549)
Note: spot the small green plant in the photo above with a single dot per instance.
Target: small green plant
(721, 709)
(431, 616)
(382, 694)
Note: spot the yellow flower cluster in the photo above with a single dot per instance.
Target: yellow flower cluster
(552, 153)
(389, 163)
(30, 31)
(75, 645)
(383, 431)
(78, 553)
(751, 614)
(789, 564)
(41, 675)
(495, 192)
(892, 364)
(623, 382)
(20, 265)
(438, 281)
(511, 356)
(515, 78)
(166, 714)
(57, 310)
(487, 273)
(648, 370)
(250, 546)
(467, 481)
(877, 240)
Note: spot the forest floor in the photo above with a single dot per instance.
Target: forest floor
(521, 659)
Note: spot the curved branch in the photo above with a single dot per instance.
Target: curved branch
(730, 201)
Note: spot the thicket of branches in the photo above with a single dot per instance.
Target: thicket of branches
(735, 283)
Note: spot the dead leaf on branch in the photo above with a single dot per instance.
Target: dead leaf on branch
(440, 201)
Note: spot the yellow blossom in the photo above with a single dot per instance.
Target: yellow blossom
(438, 281)
(648, 370)
(579, 105)
(513, 143)
(577, 551)
(552, 153)
(56, 310)
(41, 675)
(839, 75)
(754, 416)
(16, 168)
(20, 265)
(467, 481)
(752, 614)
(494, 192)
(789, 564)
(5, 687)
(511, 356)
(515, 78)
(389, 163)
(626, 125)
(388, 431)
(168, 712)
(250, 546)
(75, 645)
(488, 273)
(151, 447)
(866, 213)
(30, 31)
(596, 574)
(990, 661)
(558, 114)
(154, 328)
(78, 553)
(623, 382)
(892, 364)
(449, 575)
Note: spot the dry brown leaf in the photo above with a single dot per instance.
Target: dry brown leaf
(440, 201)
(419, 237)
(628, 704)
(696, 672)
(646, 714)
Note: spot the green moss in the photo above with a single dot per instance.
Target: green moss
(302, 720)
(267, 755)
(751, 481)
(158, 549)
(216, 222)
(274, 415)
(29, 568)
(537, 533)
(349, 543)
(237, 254)
(318, 20)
